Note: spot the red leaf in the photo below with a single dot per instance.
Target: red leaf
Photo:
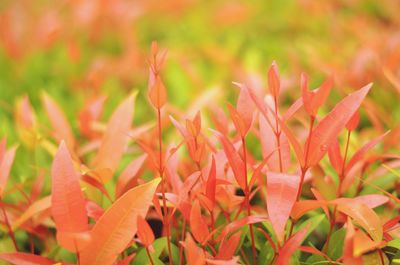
(335, 157)
(211, 183)
(94, 210)
(294, 142)
(231, 227)
(115, 139)
(60, 124)
(194, 254)
(198, 224)
(234, 159)
(362, 151)
(95, 183)
(20, 258)
(238, 121)
(5, 166)
(353, 122)
(89, 114)
(313, 100)
(270, 146)
(245, 107)
(328, 129)
(130, 173)
(67, 200)
(290, 246)
(144, 232)
(117, 226)
(228, 247)
(282, 190)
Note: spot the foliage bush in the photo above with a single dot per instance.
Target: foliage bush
(267, 185)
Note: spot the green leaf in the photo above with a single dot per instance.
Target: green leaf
(312, 223)
(335, 250)
(160, 246)
(394, 243)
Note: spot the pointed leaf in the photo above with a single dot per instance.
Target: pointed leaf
(194, 254)
(60, 124)
(274, 80)
(364, 216)
(234, 159)
(282, 191)
(67, 200)
(117, 226)
(290, 246)
(5, 167)
(197, 224)
(145, 233)
(115, 139)
(20, 258)
(328, 129)
(211, 182)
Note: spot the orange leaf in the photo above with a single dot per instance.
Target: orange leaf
(328, 129)
(157, 91)
(302, 207)
(273, 80)
(194, 254)
(282, 190)
(198, 224)
(363, 216)
(67, 200)
(34, 209)
(353, 122)
(363, 244)
(144, 232)
(117, 226)
(115, 139)
(348, 248)
(60, 124)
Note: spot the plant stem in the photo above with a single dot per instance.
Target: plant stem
(10, 231)
(278, 135)
(182, 239)
(149, 255)
(338, 192)
(247, 199)
(304, 168)
(163, 180)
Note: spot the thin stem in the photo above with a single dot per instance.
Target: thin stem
(149, 255)
(305, 166)
(338, 193)
(163, 180)
(247, 199)
(10, 231)
(278, 135)
(182, 239)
